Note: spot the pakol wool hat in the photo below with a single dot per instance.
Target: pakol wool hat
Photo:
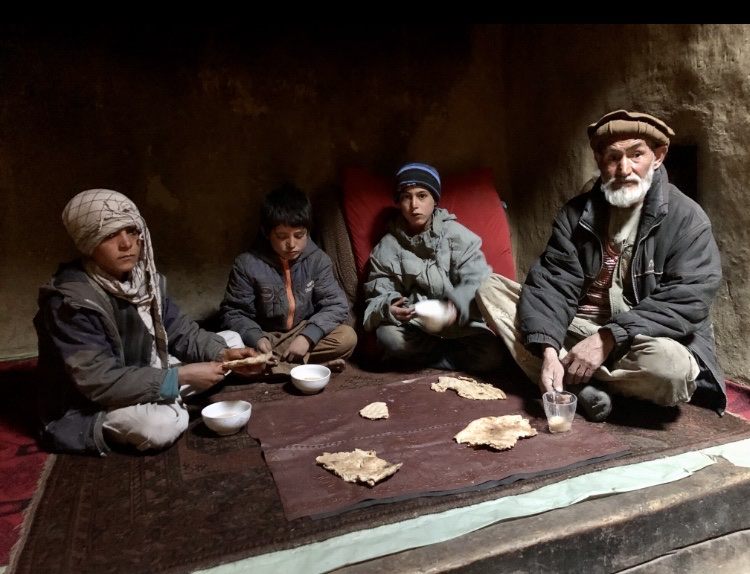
(419, 174)
(624, 123)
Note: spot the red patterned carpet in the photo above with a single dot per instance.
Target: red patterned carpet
(21, 461)
(738, 400)
(21, 464)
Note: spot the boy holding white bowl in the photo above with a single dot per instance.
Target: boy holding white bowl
(426, 255)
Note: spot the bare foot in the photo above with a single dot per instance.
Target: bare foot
(336, 366)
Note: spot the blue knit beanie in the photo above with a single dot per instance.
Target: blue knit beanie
(418, 174)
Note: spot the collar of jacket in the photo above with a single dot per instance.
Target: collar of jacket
(72, 282)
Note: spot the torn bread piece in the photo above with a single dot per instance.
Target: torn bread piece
(468, 388)
(374, 411)
(256, 360)
(358, 466)
(500, 433)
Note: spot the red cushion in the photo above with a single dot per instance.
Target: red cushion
(367, 201)
(471, 196)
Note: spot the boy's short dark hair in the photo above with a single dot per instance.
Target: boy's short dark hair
(285, 205)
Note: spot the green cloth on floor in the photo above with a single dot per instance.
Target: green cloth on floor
(434, 528)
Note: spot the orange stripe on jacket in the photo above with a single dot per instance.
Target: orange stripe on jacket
(289, 294)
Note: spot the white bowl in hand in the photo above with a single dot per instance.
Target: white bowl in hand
(310, 379)
(435, 315)
(226, 417)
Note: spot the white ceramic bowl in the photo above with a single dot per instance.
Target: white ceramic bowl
(226, 417)
(434, 314)
(310, 379)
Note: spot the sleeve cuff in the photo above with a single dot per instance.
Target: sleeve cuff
(169, 386)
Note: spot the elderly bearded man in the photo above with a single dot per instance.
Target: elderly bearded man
(619, 301)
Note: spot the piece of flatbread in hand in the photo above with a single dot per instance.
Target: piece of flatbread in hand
(500, 433)
(256, 360)
(358, 466)
(468, 388)
(373, 411)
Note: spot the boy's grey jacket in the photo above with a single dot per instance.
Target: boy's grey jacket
(676, 272)
(94, 353)
(255, 300)
(444, 262)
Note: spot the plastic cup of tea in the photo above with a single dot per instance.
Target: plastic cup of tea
(560, 408)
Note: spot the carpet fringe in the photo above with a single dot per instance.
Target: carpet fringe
(28, 515)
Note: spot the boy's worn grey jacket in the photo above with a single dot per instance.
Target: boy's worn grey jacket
(255, 301)
(676, 273)
(95, 353)
(443, 262)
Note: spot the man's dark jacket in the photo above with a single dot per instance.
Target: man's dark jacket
(676, 273)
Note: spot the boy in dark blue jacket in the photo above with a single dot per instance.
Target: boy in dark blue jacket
(282, 295)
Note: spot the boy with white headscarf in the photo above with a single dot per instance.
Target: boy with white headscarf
(106, 329)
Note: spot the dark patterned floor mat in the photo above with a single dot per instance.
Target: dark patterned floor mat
(212, 500)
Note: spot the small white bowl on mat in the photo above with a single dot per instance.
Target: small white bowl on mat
(227, 417)
(310, 379)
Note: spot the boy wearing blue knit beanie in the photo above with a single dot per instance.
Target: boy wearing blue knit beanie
(427, 255)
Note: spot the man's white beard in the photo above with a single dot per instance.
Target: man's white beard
(628, 196)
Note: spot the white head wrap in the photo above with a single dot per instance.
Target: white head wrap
(93, 215)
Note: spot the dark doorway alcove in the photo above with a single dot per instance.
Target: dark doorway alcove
(682, 166)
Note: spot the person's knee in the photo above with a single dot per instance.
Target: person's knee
(162, 431)
(390, 340)
(664, 359)
(159, 436)
(347, 339)
(148, 426)
(659, 370)
(405, 342)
